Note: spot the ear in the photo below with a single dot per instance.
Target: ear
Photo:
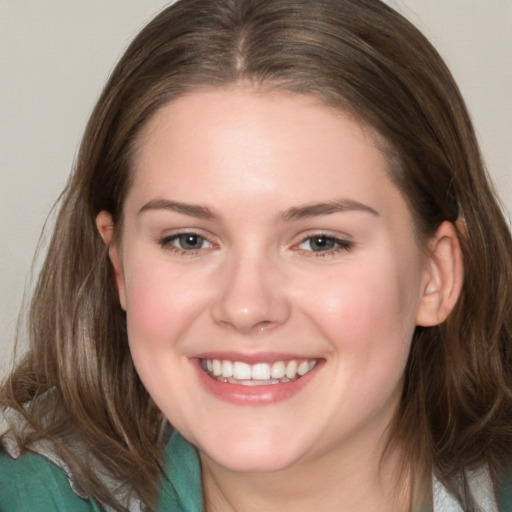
(105, 226)
(444, 276)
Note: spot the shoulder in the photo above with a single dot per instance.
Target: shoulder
(32, 483)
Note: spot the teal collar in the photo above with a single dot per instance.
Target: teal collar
(181, 489)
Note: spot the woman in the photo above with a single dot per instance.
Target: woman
(299, 182)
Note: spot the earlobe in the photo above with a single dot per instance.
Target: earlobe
(105, 226)
(444, 276)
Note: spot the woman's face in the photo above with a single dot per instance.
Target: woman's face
(270, 276)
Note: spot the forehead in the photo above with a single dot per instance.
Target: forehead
(242, 106)
(242, 147)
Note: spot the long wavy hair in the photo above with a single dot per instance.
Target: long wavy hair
(361, 57)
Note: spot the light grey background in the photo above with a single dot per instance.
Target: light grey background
(55, 56)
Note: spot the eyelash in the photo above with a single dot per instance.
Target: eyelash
(336, 244)
(167, 243)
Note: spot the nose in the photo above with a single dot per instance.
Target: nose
(251, 295)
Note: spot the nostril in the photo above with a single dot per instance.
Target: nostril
(262, 326)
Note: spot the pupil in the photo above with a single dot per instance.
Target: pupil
(321, 242)
(190, 241)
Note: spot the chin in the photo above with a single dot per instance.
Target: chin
(249, 462)
(256, 455)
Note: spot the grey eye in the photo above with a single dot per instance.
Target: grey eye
(322, 243)
(189, 241)
(318, 243)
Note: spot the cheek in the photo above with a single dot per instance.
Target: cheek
(160, 303)
(366, 310)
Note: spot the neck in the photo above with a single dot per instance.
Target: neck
(354, 481)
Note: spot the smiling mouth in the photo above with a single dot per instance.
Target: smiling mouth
(259, 374)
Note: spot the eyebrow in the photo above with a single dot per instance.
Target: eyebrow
(294, 213)
(328, 208)
(192, 210)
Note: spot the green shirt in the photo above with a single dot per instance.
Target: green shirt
(32, 483)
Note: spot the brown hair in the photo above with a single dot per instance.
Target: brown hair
(356, 55)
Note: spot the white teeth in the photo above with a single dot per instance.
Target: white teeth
(242, 371)
(303, 368)
(227, 368)
(245, 374)
(261, 371)
(278, 370)
(216, 367)
(291, 369)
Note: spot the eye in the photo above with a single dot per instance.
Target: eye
(186, 242)
(324, 244)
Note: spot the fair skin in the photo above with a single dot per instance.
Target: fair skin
(262, 232)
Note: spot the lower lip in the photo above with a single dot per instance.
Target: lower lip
(254, 395)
